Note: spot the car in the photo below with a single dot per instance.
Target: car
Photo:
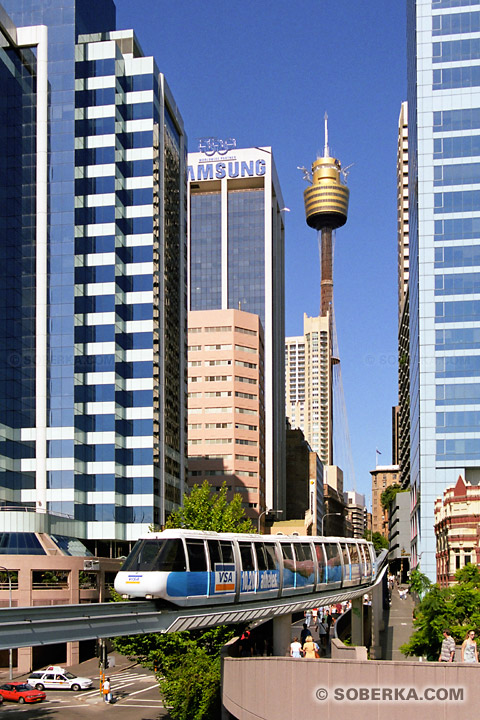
(57, 678)
(21, 692)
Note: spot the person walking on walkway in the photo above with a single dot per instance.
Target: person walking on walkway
(107, 691)
(447, 653)
(469, 649)
(309, 648)
(295, 648)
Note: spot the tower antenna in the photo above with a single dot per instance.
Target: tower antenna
(326, 150)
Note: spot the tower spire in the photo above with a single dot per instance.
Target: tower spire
(326, 150)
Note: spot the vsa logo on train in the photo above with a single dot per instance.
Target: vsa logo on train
(225, 578)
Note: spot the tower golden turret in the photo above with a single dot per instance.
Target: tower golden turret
(326, 208)
(326, 199)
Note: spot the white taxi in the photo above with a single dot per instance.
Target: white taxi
(57, 678)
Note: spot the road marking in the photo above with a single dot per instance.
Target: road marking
(144, 690)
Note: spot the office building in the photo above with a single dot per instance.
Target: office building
(444, 227)
(304, 483)
(226, 416)
(94, 359)
(308, 378)
(236, 261)
(401, 425)
(93, 343)
(399, 535)
(382, 477)
(356, 512)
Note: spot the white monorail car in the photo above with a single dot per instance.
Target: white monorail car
(194, 568)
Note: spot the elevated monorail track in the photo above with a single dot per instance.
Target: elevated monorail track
(46, 625)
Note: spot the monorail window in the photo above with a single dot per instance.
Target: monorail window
(246, 555)
(302, 552)
(287, 552)
(196, 555)
(333, 558)
(354, 554)
(227, 551)
(345, 555)
(160, 555)
(215, 553)
(260, 552)
(320, 562)
(271, 556)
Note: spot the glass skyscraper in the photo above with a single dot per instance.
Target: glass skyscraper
(444, 238)
(93, 243)
(236, 261)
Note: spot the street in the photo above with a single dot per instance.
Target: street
(135, 692)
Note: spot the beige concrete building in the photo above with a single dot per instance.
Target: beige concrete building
(226, 411)
(56, 571)
(308, 382)
(457, 530)
(356, 512)
(382, 477)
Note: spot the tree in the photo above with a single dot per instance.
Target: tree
(389, 494)
(379, 542)
(419, 583)
(206, 510)
(456, 608)
(188, 663)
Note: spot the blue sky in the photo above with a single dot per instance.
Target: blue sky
(264, 73)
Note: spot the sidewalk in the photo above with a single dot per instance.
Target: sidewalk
(398, 627)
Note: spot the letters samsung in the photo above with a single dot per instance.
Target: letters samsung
(229, 169)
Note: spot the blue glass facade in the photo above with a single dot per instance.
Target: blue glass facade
(444, 180)
(116, 279)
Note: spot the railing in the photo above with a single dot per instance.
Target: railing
(50, 586)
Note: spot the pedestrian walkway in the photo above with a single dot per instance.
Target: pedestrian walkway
(398, 626)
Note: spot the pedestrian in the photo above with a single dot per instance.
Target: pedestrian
(308, 617)
(315, 618)
(469, 649)
(107, 691)
(322, 634)
(310, 648)
(305, 633)
(295, 648)
(447, 653)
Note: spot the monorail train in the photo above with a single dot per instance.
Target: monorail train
(193, 568)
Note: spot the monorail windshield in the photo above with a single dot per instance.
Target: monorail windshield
(162, 555)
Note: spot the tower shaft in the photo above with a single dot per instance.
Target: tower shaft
(326, 265)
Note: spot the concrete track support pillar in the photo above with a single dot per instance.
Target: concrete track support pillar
(378, 622)
(358, 637)
(282, 635)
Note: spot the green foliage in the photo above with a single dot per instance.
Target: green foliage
(191, 690)
(389, 494)
(379, 542)
(419, 583)
(456, 608)
(468, 574)
(188, 663)
(204, 509)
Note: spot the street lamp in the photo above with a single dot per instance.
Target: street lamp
(10, 658)
(328, 515)
(265, 512)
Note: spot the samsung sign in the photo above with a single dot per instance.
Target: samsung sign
(228, 169)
